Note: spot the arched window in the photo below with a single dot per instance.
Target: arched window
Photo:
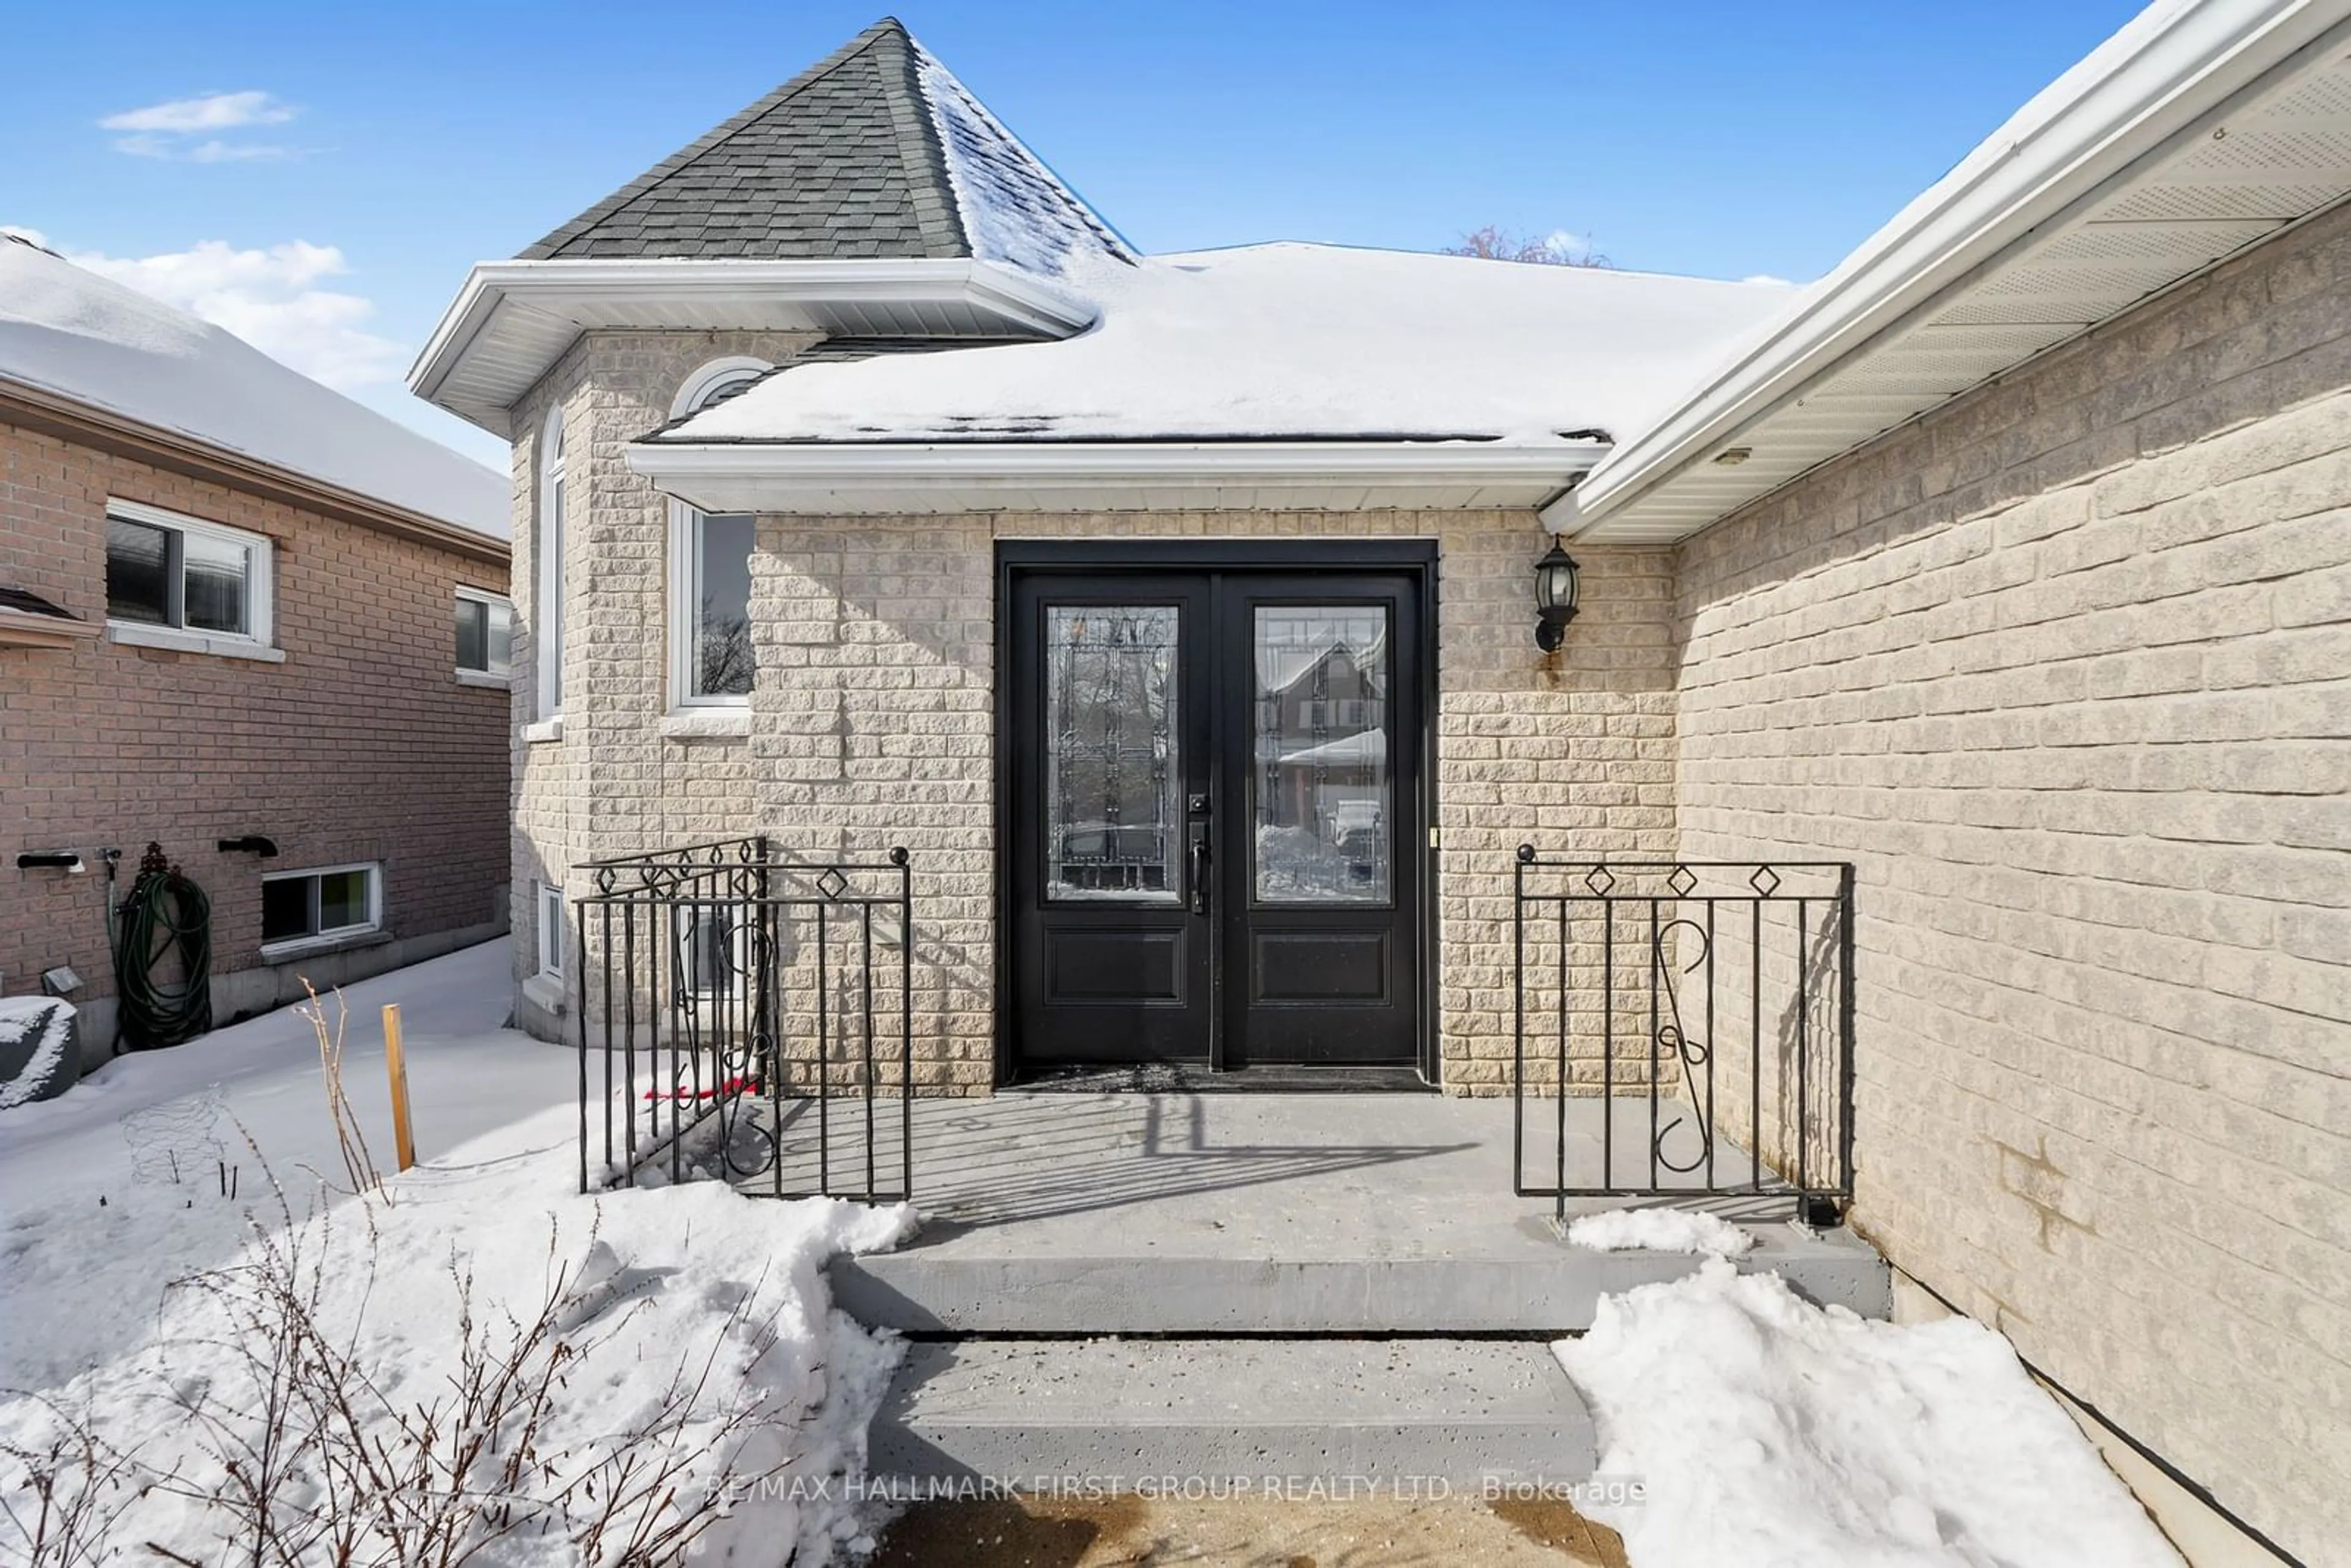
(547, 614)
(710, 571)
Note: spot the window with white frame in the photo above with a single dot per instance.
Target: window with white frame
(547, 623)
(713, 949)
(185, 574)
(326, 905)
(711, 663)
(551, 928)
(485, 635)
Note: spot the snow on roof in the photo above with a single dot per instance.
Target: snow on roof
(1014, 209)
(1294, 342)
(97, 343)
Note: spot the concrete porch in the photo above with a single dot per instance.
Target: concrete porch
(1310, 1286)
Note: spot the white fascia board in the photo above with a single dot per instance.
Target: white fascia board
(2108, 114)
(817, 477)
(710, 292)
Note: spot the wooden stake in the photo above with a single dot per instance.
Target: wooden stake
(402, 1139)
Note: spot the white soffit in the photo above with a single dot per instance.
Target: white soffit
(834, 479)
(514, 320)
(2247, 140)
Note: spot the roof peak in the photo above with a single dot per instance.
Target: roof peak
(876, 150)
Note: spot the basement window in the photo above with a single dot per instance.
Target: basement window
(333, 904)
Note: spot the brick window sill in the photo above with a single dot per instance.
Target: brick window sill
(707, 724)
(312, 946)
(543, 732)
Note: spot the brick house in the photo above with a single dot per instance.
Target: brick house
(245, 619)
(871, 491)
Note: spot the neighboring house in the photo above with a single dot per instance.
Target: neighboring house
(2008, 563)
(248, 620)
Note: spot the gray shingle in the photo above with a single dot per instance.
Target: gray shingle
(849, 157)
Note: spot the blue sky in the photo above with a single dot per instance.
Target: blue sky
(329, 215)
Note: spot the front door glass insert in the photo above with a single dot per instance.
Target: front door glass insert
(1112, 829)
(1318, 776)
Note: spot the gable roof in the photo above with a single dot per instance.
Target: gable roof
(90, 343)
(874, 151)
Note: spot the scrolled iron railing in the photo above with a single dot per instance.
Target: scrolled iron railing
(1682, 1029)
(749, 1015)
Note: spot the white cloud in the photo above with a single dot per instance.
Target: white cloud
(273, 300)
(1772, 278)
(213, 111)
(1567, 245)
(168, 130)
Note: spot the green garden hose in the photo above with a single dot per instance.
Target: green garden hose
(165, 928)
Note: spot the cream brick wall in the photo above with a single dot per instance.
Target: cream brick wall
(873, 714)
(613, 784)
(2065, 668)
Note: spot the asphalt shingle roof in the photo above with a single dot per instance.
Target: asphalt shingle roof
(847, 159)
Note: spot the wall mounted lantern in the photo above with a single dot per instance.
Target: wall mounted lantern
(1555, 591)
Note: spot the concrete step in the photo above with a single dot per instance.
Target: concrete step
(1130, 1415)
(1122, 1280)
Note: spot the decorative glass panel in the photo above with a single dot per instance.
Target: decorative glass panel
(1112, 827)
(722, 606)
(1319, 782)
(216, 583)
(138, 572)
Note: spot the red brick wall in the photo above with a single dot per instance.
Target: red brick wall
(360, 745)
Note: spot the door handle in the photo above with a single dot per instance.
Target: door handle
(1197, 874)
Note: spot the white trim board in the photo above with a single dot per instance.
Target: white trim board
(824, 479)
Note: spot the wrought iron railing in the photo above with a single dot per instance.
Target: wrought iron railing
(747, 1015)
(1683, 1028)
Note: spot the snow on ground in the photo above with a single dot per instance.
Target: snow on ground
(1659, 1230)
(657, 1285)
(1299, 342)
(1766, 1431)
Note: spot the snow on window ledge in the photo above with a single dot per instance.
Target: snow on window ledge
(547, 992)
(133, 634)
(716, 722)
(544, 730)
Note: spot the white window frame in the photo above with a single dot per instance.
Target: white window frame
(550, 930)
(495, 674)
(547, 619)
(261, 600)
(684, 554)
(338, 935)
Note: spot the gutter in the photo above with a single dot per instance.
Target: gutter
(686, 284)
(2117, 113)
(740, 477)
(86, 425)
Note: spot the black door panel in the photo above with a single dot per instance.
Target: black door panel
(1214, 803)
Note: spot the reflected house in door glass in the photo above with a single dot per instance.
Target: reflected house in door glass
(1321, 775)
(1112, 763)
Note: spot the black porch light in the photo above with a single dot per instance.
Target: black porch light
(1555, 590)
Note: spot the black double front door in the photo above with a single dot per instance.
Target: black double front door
(1215, 814)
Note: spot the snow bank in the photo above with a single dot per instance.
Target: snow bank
(99, 342)
(1297, 341)
(1659, 1230)
(656, 1286)
(696, 1327)
(37, 1040)
(1765, 1431)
